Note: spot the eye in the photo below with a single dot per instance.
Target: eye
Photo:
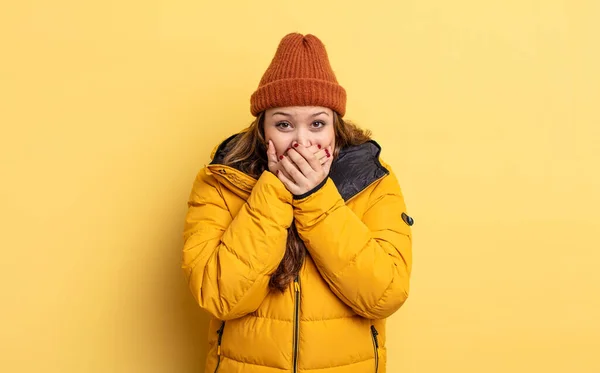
(318, 124)
(283, 125)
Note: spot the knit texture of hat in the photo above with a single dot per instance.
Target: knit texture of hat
(299, 75)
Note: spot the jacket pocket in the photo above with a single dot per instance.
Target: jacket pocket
(374, 335)
(219, 340)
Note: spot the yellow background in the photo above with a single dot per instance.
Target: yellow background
(488, 110)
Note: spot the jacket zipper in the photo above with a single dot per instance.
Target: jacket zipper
(374, 334)
(220, 333)
(296, 322)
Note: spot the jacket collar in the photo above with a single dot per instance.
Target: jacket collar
(354, 169)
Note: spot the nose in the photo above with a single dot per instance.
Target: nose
(303, 138)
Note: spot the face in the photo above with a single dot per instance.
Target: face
(308, 125)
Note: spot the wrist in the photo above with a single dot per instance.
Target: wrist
(312, 191)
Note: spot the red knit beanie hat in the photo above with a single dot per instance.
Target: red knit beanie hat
(299, 75)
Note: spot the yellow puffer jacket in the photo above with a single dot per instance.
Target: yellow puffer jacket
(332, 318)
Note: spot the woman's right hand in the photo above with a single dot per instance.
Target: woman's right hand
(275, 165)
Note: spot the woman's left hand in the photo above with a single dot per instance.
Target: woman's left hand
(305, 168)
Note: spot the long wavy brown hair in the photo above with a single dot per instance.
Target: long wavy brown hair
(248, 153)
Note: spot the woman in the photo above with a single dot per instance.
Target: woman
(296, 238)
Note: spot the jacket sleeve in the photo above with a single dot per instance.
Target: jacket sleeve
(365, 260)
(228, 261)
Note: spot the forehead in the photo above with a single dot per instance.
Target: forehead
(299, 111)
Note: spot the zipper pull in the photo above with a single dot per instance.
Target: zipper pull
(374, 331)
(220, 333)
(375, 334)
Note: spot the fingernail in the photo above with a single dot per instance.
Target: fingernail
(319, 146)
(295, 145)
(327, 152)
(281, 157)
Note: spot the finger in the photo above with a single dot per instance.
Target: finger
(314, 148)
(271, 148)
(280, 158)
(271, 154)
(323, 155)
(289, 184)
(328, 159)
(279, 166)
(327, 165)
(300, 162)
(319, 153)
(308, 156)
(292, 170)
(284, 172)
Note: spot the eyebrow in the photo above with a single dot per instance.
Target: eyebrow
(281, 113)
(289, 115)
